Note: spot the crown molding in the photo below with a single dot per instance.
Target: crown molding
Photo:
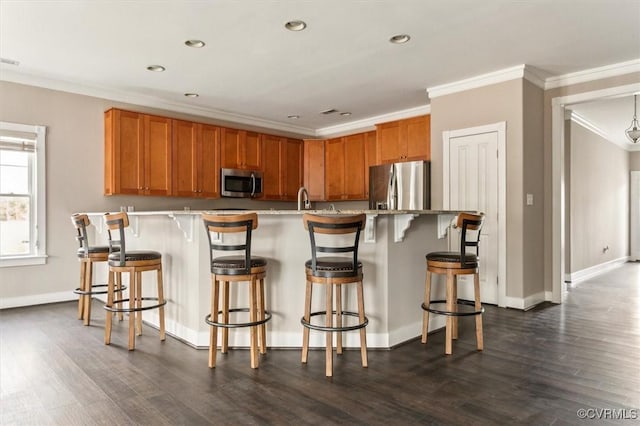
(612, 70)
(148, 101)
(580, 120)
(500, 76)
(369, 123)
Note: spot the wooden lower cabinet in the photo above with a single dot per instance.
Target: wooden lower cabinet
(196, 160)
(137, 153)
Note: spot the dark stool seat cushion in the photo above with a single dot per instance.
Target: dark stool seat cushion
(235, 265)
(471, 260)
(134, 256)
(93, 250)
(334, 266)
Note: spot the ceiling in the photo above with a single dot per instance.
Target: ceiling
(253, 70)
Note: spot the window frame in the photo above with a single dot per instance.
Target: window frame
(38, 215)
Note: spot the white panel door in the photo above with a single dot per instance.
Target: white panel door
(473, 185)
(635, 216)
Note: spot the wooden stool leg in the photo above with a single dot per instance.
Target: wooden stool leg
(307, 317)
(161, 300)
(427, 303)
(449, 325)
(253, 316)
(213, 331)
(225, 317)
(339, 318)
(329, 335)
(478, 306)
(133, 289)
(82, 288)
(138, 314)
(363, 333)
(107, 327)
(88, 281)
(261, 316)
(118, 278)
(455, 307)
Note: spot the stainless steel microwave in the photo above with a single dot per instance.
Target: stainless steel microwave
(240, 183)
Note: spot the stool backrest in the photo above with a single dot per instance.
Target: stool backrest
(81, 221)
(226, 224)
(469, 222)
(334, 225)
(117, 222)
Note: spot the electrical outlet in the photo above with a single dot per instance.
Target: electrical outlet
(529, 199)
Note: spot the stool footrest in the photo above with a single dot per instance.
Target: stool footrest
(267, 317)
(89, 292)
(325, 328)
(142, 308)
(450, 313)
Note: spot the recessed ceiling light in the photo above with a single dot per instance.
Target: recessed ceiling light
(400, 39)
(295, 25)
(156, 68)
(293, 116)
(345, 114)
(195, 43)
(191, 95)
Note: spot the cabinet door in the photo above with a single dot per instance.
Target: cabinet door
(388, 142)
(185, 159)
(271, 180)
(230, 148)
(157, 155)
(291, 169)
(417, 136)
(334, 169)
(354, 164)
(250, 151)
(314, 169)
(128, 152)
(208, 165)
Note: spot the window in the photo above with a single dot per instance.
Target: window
(22, 195)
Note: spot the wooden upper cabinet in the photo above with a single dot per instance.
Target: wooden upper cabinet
(282, 167)
(345, 160)
(137, 153)
(404, 140)
(370, 152)
(196, 160)
(314, 168)
(271, 172)
(240, 149)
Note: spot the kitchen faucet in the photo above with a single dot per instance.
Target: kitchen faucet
(303, 194)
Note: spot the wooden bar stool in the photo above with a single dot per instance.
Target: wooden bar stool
(334, 271)
(88, 256)
(135, 263)
(453, 264)
(236, 268)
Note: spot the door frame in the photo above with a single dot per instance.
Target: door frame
(558, 247)
(501, 129)
(634, 212)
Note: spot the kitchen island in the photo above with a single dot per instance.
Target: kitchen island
(392, 250)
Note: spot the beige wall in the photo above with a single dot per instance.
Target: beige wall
(634, 160)
(74, 178)
(599, 200)
(477, 107)
(549, 95)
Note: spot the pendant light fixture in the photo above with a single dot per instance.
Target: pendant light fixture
(633, 132)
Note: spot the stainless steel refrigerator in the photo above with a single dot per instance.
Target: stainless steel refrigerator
(400, 186)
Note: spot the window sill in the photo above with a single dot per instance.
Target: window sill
(10, 261)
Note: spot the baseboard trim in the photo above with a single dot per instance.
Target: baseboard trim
(37, 299)
(526, 303)
(585, 274)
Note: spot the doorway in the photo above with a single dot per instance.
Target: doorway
(474, 179)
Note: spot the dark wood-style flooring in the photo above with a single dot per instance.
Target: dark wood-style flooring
(538, 367)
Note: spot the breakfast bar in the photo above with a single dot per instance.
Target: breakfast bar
(392, 294)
